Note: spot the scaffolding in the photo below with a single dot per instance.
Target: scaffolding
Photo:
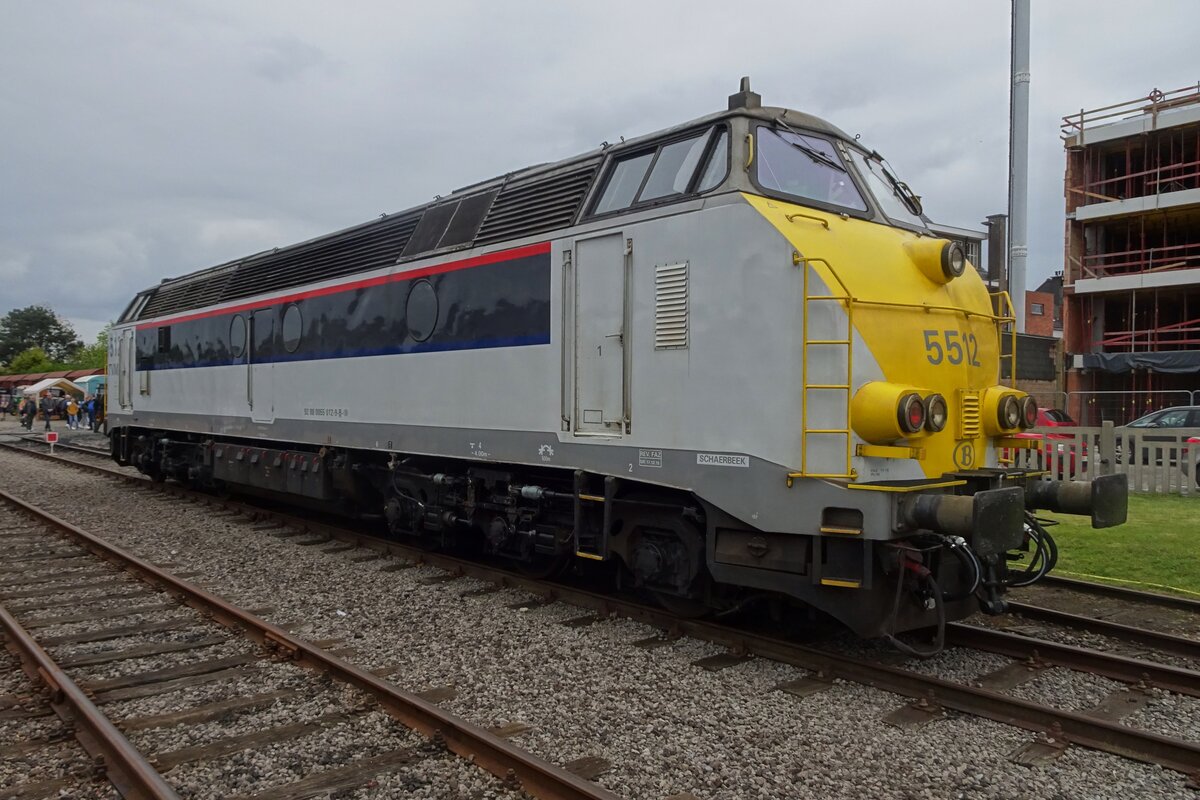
(1132, 193)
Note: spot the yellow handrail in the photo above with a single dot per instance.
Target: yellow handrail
(846, 300)
(1006, 313)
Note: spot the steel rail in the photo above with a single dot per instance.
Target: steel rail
(127, 769)
(1121, 593)
(79, 448)
(1110, 665)
(1093, 733)
(1165, 642)
(536, 777)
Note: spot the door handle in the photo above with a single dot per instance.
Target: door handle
(619, 336)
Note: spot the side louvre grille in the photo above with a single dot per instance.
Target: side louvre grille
(361, 249)
(527, 207)
(670, 306)
(970, 417)
(184, 295)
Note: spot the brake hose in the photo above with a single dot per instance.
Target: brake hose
(1044, 558)
(939, 641)
(962, 551)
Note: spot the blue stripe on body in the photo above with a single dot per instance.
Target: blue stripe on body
(393, 350)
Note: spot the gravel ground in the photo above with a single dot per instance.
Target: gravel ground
(12, 680)
(53, 606)
(666, 725)
(65, 759)
(200, 630)
(313, 702)
(1171, 715)
(101, 672)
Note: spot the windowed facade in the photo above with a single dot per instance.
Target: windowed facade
(1037, 308)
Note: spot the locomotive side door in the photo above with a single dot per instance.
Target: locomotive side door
(126, 353)
(601, 381)
(260, 391)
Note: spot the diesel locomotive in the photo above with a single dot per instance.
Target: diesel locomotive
(724, 363)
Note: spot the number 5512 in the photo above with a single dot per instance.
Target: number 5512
(952, 347)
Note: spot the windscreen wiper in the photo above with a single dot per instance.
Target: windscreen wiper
(811, 152)
(901, 189)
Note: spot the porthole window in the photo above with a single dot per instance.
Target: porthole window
(237, 335)
(421, 312)
(293, 325)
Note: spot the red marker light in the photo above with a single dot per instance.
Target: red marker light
(911, 413)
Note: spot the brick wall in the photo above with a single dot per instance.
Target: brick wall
(1039, 324)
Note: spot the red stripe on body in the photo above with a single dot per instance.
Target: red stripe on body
(436, 269)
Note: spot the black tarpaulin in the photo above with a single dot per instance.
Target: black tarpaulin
(1174, 362)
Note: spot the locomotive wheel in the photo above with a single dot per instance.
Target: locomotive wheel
(652, 522)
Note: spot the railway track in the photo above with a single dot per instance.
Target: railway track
(63, 588)
(984, 696)
(1153, 599)
(53, 764)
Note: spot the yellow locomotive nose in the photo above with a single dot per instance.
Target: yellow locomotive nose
(1007, 410)
(884, 412)
(940, 260)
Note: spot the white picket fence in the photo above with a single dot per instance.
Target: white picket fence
(1156, 461)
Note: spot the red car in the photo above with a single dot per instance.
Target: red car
(1056, 418)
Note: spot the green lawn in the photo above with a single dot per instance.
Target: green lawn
(1157, 549)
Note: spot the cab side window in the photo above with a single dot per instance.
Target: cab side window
(695, 163)
(623, 183)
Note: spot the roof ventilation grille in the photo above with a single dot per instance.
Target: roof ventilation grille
(524, 208)
(373, 246)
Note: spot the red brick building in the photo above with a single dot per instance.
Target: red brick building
(1131, 319)
(1039, 313)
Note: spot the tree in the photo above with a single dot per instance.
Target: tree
(92, 356)
(32, 360)
(36, 326)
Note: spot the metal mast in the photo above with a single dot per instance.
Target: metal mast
(1018, 160)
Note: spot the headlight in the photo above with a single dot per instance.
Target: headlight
(1029, 413)
(954, 260)
(936, 413)
(1009, 412)
(911, 413)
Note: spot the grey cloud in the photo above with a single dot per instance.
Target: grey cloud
(146, 140)
(285, 58)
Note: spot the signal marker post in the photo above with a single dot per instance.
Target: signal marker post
(51, 438)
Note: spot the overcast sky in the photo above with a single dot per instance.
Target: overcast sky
(140, 140)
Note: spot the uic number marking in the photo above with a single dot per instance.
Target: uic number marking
(952, 347)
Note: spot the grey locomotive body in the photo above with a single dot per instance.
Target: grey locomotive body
(564, 365)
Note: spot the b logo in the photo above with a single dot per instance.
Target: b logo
(964, 455)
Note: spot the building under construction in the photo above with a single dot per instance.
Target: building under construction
(1131, 317)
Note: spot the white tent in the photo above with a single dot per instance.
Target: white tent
(52, 383)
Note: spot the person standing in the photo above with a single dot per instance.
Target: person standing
(72, 414)
(28, 410)
(47, 407)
